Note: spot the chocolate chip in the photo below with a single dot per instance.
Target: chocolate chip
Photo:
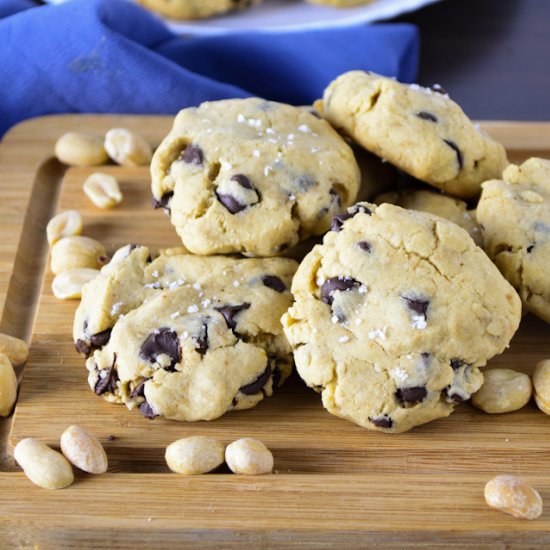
(82, 347)
(229, 313)
(335, 196)
(258, 384)
(455, 398)
(383, 421)
(334, 284)
(101, 338)
(147, 411)
(276, 379)
(163, 202)
(424, 115)
(339, 219)
(162, 341)
(193, 155)
(456, 363)
(439, 89)
(202, 339)
(417, 305)
(365, 246)
(243, 181)
(107, 383)
(231, 203)
(459, 157)
(139, 390)
(273, 282)
(530, 249)
(411, 396)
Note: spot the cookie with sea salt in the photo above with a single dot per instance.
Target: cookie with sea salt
(251, 176)
(394, 315)
(185, 337)
(419, 130)
(515, 218)
(196, 9)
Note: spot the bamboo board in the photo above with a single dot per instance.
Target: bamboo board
(335, 484)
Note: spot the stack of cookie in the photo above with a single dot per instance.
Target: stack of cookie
(390, 318)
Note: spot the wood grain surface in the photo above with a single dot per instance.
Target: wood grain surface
(335, 484)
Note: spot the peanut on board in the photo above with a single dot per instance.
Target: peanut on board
(65, 224)
(541, 383)
(8, 386)
(248, 456)
(127, 148)
(83, 450)
(16, 350)
(195, 455)
(79, 149)
(68, 285)
(103, 190)
(514, 496)
(42, 465)
(503, 390)
(76, 252)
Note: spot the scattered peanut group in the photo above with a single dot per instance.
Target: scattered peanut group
(200, 455)
(52, 470)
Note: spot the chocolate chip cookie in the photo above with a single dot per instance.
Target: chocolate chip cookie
(515, 218)
(394, 314)
(185, 337)
(435, 203)
(251, 176)
(419, 130)
(195, 9)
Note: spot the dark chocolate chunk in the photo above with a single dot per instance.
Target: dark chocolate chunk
(139, 390)
(424, 115)
(530, 248)
(418, 305)
(334, 284)
(107, 383)
(411, 396)
(163, 202)
(147, 411)
(243, 181)
(229, 313)
(365, 246)
(456, 363)
(459, 157)
(258, 384)
(335, 196)
(339, 219)
(276, 378)
(383, 421)
(162, 341)
(193, 154)
(273, 282)
(202, 339)
(455, 398)
(231, 203)
(101, 338)
(82, 347)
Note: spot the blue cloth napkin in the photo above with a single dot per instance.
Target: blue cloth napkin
(111, 56)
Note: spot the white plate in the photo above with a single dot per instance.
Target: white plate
(288, 15)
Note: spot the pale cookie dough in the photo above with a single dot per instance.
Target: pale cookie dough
(185, 337)
(435, 203)
(419, 130)
(195, 9)
(251, 176)
(515, 219)
(393, 316)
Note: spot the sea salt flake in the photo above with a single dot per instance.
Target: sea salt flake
(304, 128)
(155, 274)
(193, 309)
(175, 315)
(400, 374)
(419, 322)
(116, 308)
(343, 339)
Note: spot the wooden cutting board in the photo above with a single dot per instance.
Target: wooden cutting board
(335, 484)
